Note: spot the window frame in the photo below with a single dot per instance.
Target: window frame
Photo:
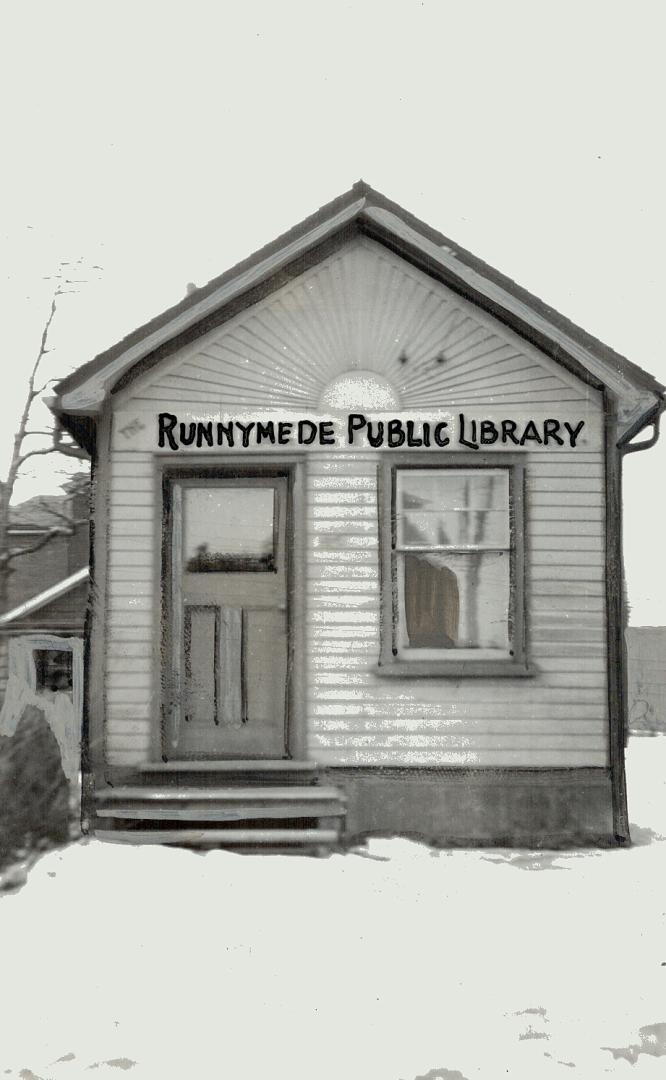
(40, 663)
(389, 662)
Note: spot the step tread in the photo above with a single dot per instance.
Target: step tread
(251, 764)
(238, 794)
(222, 813)
(227, 836)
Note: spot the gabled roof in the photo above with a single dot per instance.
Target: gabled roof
(39, 512)
(83, 394)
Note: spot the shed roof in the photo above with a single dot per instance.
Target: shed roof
(83, 394)
(45, 597)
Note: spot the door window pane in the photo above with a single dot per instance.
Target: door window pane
(228, 528)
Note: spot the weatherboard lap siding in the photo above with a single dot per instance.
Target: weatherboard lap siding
(354, 717)
(557, 718)
(366, 307)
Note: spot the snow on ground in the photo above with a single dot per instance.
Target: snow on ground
(395, 963)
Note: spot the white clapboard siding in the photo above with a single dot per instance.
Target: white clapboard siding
(4, 667)
(557, 718)
(131, 618)
(470, 758)
(364, 307)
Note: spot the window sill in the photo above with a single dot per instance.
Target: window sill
(455, 669)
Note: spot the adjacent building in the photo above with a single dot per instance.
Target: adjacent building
(47, 589)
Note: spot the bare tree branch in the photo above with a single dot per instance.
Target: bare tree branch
(60, 448)
(58, 514)
(66, 525)
(17, 553)
(17, 459)
(40, 389)
(52, 534)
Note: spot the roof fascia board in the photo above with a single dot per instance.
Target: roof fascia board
(181, 350)
(54, 592)
(88, 398)
(585, 364)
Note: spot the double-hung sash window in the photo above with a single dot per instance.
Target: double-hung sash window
(452, 570)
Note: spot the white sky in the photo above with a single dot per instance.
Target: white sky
(166, 141)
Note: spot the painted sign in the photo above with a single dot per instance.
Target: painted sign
(472, 433)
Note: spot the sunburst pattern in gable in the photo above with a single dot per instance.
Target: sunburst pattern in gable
(363, 308)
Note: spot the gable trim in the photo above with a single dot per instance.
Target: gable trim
(89, 396)
(174, 355)
(83, 394)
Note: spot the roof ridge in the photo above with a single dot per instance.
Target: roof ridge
(367, 197)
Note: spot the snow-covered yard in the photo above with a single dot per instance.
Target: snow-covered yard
(394, 963)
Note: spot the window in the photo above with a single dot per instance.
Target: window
(53, 670)
(452, 569)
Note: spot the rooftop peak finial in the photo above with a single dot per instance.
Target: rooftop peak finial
(361, 187)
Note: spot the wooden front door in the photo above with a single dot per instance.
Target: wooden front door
(228, 618)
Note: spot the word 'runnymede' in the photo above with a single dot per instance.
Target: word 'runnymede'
(392, 433)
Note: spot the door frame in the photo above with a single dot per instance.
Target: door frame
(217, 467)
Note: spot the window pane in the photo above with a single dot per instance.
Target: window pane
(452, 507)
(53, 670)
(455, 601)
(228, 528)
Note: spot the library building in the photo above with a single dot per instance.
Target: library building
(356, 562)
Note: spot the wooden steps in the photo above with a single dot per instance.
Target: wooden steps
(260, 765)
(224, 837)
(251, 771)
(224, 804)
(230, 794)
(215, 804)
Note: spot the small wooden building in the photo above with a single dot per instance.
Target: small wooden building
(357, 552)
(47, 590)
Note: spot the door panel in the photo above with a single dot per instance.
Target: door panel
(201, 631)
(229, 635)
(231, 673)
(265, 653)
